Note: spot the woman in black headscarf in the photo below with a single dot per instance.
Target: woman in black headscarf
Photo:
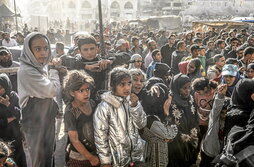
(183, 150)
(9, 119)
(242, 104)
(239, 127)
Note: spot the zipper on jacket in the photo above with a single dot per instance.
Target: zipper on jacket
(128, 130)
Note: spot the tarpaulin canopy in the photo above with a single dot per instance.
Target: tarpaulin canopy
(227, 25)
(5, 11)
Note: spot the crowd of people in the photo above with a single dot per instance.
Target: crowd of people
(155, 98)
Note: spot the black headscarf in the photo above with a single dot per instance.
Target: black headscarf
(6, 84)
(152, 104)
(241, 97)
(177, 83)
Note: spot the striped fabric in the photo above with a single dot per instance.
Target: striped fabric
(77, 163)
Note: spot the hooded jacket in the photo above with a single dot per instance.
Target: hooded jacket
(34, 79)
(115, 130)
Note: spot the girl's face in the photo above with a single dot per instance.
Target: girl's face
(137, 83)
(138, 63)
(83, 94)
(123, 89)
(185, 90)
(250, 73)
(2, 90)
(2, 161)
(191, 68)
(40, 49)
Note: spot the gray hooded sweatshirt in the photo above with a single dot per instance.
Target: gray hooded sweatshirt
(34, 79)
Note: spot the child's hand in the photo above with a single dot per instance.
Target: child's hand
(155, 91)
(166, 105)
(242, 69)
(94, 160)
(57, 62)
(5, 101)
(222, 89)
(103, 64)
(93, 67)
(134, 100)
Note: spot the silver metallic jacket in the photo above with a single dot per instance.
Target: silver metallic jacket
(115, 130)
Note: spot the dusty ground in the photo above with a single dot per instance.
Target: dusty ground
(61, 139)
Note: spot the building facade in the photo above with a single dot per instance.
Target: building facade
(162, 7)
(77, 10)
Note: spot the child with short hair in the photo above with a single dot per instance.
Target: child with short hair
(204, 91)
(78, 119)
(156, 55)
(117, 117)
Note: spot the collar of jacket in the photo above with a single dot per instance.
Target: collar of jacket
(114, 100)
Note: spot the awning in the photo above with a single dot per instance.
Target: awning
(5, 11)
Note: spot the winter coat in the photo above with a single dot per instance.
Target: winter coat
(166, 53)
(115, 130)
(34, 79)
(211, 145)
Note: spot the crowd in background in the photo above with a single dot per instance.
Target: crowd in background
(154, 99)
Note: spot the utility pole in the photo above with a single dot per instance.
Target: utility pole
(102, 45)
(16, 20)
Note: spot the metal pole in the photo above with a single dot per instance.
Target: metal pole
(16, 20)
(102, 45)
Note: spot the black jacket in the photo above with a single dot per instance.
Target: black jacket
(166, 53)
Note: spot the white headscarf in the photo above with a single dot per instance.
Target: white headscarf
(134, 58)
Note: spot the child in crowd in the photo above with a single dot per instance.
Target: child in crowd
(152, 94)
(203, 96)
(156, 55)
(194, 69)
(231, 77)
(136, 62)
(117, 117)
(9, 119)
(38, 84)
(181, 111)
(212, 143)
(78, 120)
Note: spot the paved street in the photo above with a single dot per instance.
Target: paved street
(60, 143)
